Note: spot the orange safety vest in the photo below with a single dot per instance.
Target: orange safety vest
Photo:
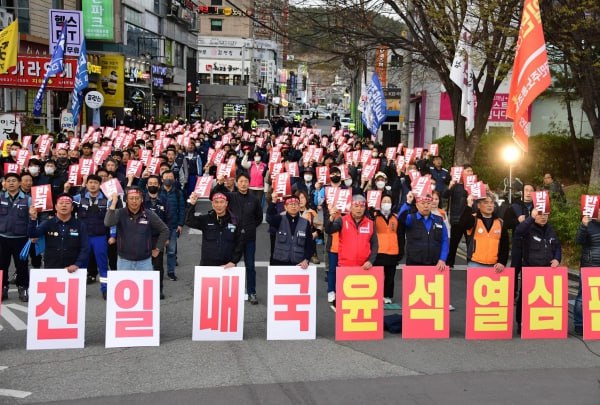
(485, 244)
(387, 235)
(335, 242)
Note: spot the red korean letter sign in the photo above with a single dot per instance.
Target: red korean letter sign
(359, 304)
(425, 301)
(132, 309)
(590, 302)
(41, 197)
(56, 316)
(292, 303)
(545, 303)
(218, 303)
(490, 301)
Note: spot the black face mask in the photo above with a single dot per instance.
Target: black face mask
(74, 160)
(153, 189)
(335, 179)
(62, 160)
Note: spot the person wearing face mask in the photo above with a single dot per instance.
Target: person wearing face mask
(158, 204)
(306, 184)
(391, 245)
(11, 157)
(34, 170)
(257, 170)
(62, 162)
(51, 177)
(194, 167)
(176, 207)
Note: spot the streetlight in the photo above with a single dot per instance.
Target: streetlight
(510, 154)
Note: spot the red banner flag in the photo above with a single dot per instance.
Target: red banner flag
(590, 302)
(545, 303)
(425, 301)
(489, 303)
(359, 304)
(531, 74)
(41, 197)
(203, 186)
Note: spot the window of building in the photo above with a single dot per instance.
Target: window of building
(216, 2)
(178, 59)
(216, 24)
(204, 78)
(20, 9)
(221, 79)
(237, 80)
(58, 4)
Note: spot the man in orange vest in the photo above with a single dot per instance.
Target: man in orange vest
(487, 241)
(357, 245)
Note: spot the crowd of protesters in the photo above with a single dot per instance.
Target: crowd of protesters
(349, 193)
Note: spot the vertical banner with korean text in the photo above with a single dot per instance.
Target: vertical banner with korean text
(56, 314)
(292, 303)
(133, 309)
(490, 301)
(218, 303)
(359, 304)
(545, 303)
(425, 301)
(590, 302)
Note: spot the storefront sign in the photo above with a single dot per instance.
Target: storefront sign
(73, 19)
(98, 19)
(30, 71)
(94, 99)
(112, 80)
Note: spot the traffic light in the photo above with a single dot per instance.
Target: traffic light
(189, 87)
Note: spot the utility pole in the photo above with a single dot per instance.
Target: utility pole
(406, 85)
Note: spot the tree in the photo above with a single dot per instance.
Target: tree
(572, 28)
(433, 28)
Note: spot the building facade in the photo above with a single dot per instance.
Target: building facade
(240, 54)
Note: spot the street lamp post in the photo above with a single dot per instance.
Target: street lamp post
(150, 57)
(510, 154)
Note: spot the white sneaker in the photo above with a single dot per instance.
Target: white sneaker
(451, 307)
(331, 296)
(387, 300)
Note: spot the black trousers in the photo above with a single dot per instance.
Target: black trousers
(158, 263)
(10, 248)
(456, 234)
(389, 273)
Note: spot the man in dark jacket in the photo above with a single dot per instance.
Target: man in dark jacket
(176, 205)
(293, 237)
(157, 203)
(135, 226)
(67, 244)
(588, 236)
(220, 232)
(457, 196)
(540, 247)
(246, 208)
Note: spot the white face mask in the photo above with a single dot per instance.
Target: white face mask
(257, 159)
(380, 184)
(95, 149)
(34, 170)
(348, 182)
(13, 153)
(386, 208)
(198, 144)
(252, 139)
(307, 178)
(49, 171)
(375, 154)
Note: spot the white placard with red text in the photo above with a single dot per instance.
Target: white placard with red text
(56, 315)
(218, 303)
(133, 309)
(292, 303)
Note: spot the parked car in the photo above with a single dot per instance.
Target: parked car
(264, 123)
(345, 123)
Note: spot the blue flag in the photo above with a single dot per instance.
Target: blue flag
(375, 110)
(81, 83)
(57, 64)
